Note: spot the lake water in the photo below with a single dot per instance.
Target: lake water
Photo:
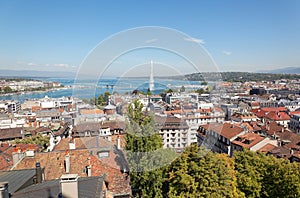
(93, 88)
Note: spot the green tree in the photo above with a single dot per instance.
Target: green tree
(100, 100)
(149, 92)
(199, 173)
(93, 101)
(7, 89)
(142, 142)
(182, 88)
(266, 176)
(106, 96)
(200, 91)
(85, 100)
(43, 141)
(204, 83)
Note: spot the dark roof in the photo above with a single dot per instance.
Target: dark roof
(17, 178)
(10, 133)
(89, 126)
(87, 187)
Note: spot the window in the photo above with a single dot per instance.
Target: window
(103, 154)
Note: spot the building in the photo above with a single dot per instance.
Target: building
(218, 137)
(251, 141)
(294, 124)
(88, 157)
(174, 131)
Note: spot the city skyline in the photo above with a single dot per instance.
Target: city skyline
(239, 35)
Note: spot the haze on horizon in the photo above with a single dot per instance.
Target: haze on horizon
(239, 35)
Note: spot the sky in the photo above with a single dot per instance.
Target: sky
(238, 35)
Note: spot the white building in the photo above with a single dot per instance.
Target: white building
(174, 131)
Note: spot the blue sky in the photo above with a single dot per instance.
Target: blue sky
(246, 35)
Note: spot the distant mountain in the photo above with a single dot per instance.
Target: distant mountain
(285, 70)
(34, 73)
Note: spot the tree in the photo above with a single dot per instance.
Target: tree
(199, 173)
(142, 142)
(200, 91)
(100, 100)
(7, 89)
(266, 176)
(106, 97)
(149, 92)
(43, 141)
(85, 100)
(93, 101)
(204, 83)
(182, 88)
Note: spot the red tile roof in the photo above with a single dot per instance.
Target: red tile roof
(277, 116)
(226, 130)
(53, 162)
(267, 148)
(248, 140)
(269, 109)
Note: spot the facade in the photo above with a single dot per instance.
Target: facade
(294, 124)
(174, 131)
(218, 137)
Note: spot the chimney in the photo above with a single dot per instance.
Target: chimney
(118, 143)
(67, 162)
(89, 168)
(69, 185)
(30, 151)
(39, 174)
(4, 190)
(72, 144)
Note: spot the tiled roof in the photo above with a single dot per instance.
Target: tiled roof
(289, 136)
(115, 125)
(267, 148)
(272, 127)
(255, 104)
(53, 162)
(259, 113)
(269, 109)
(277, 116)
(10, 133)
(92, 126)
(6, 151)
(294, 112)
(226, 129)
(91, 111)
(248, 140)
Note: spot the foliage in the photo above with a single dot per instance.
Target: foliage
(200, 91)
(198, 173)
(142, 142)
(103, 98)
(266, 176)
(240, 76)
(7, 89)
(182, 89)
(43, 141)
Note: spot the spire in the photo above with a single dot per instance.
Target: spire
(151, 81)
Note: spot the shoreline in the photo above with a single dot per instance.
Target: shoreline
(37, 91)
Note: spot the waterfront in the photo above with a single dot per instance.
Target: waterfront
(93, 88)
